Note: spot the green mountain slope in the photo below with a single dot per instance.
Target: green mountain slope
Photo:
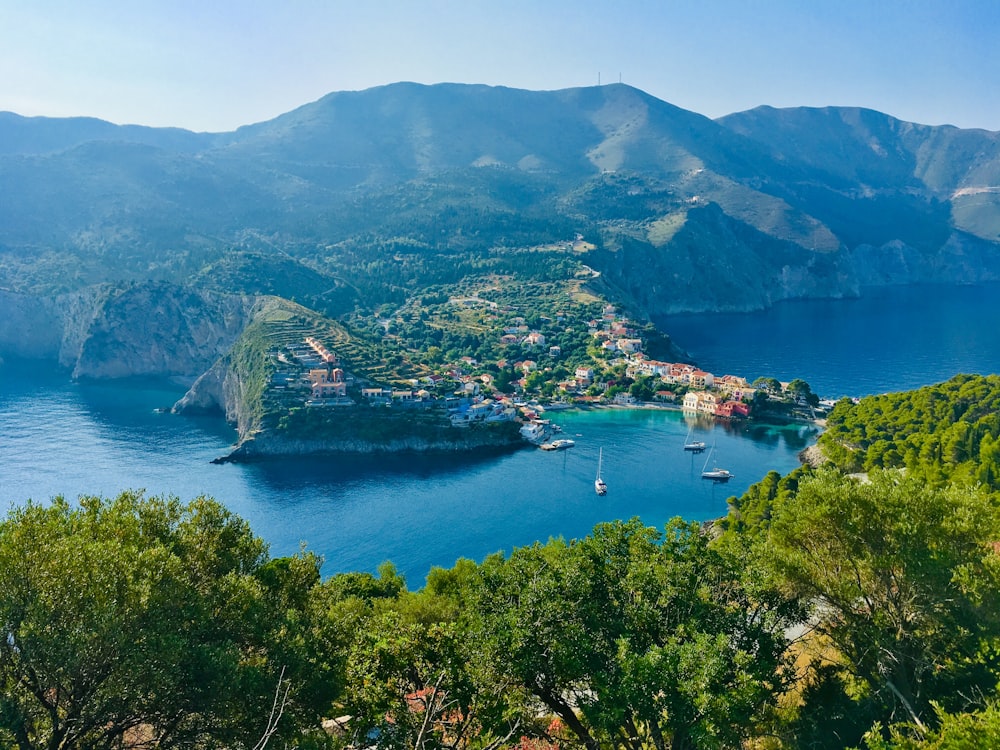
(393, 189)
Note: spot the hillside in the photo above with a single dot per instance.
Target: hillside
(800, 202)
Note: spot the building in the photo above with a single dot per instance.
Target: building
(730, 409)
(327, 383)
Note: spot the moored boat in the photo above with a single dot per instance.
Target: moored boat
(716, 474)
(600, 486)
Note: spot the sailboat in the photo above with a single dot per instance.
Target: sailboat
(716, 474)
(695, 446)
(600, 486)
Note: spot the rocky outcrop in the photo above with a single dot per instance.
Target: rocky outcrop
(207, 394)
(160, 329)
(266, 445)
(963, 259)
(714, 263)
(150, 329)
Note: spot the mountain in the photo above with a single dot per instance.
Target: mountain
(366, 198)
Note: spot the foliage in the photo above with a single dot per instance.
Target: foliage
(630, 636)
(963, 731)
(138, 617)
(942, 433)
(902, 578)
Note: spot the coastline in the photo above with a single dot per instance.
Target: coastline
(766, 418)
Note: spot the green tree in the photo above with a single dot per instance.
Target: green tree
(801, 391)
(633, 638)
(135, 615)
(963, 731)
(410, 663)
(643, 389)
(902, 579)
(769, 385)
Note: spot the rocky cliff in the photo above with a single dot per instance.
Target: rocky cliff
(265, 445)
(115, 331)
(711, 262)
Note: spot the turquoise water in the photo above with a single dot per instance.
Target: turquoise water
(58, 437)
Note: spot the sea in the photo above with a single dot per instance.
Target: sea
(59, 437)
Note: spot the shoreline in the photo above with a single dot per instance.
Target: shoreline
(767, 418)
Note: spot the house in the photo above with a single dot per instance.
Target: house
(629, 346)
(327, 383)
(700, 401)
(691, 401)
(325, 356)
(730, 409)
(701, 379)
(534, 339)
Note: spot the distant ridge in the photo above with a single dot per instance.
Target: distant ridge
(685, 212)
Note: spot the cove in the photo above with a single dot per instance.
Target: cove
(59, 437)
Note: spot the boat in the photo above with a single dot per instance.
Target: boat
(694, 446)
(600, 486)
(716, 474)
(558, 445)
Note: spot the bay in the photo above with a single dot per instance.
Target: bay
(63, 438)
(60, 437)
(890, 339)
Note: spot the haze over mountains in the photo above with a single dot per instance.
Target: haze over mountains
(363, 197)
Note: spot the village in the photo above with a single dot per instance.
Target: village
(470, 392)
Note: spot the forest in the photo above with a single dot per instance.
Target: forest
(851, 604)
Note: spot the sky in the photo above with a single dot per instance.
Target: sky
(213, 65)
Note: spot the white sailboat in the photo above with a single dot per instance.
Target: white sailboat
(694, 446)
(600, 486)
(716, 474)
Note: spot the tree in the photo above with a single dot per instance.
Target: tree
(902, 578)
(801, 391)
(955, 732)
(133, 618)
(770, 385)
(410, 663)
(643, 389)
(635, 638)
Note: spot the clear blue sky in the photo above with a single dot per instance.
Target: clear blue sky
(218, 64)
